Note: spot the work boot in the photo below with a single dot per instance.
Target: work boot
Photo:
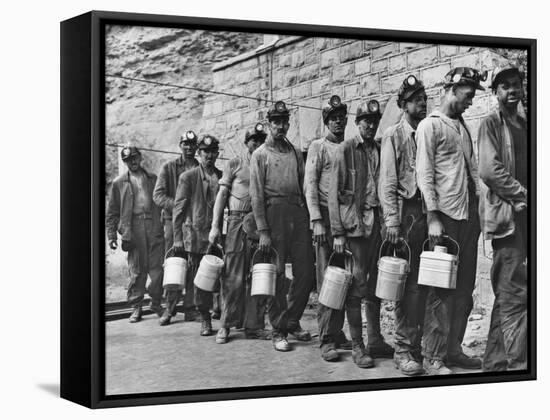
(380, 350)
(259, 334)
(407, 365)
(165, 318)
(465, 362)
(280, 343)
(206, 328)
(361, 357)
(329, 353)
(222, 336)
(435, 367)
(156, 308)
(342, 342)
(136, 314)
(191, 315)
(300, 334)
(216, 314)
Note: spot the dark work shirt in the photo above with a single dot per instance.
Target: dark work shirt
(519, 136)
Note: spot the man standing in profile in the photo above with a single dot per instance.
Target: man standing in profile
(404, 219)
(276, 179)
(163, 195)
(192, 215)
(448, 179)
(503, 168)
(132, 212)
(355, 225)
(239, 308)
(318, 172)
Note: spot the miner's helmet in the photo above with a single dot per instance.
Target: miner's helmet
(410, 86)
(209, 142)
(257, 133)
(334, 104)
(189, 137)
(128, 151)
(465, 76)
(370, 109)
(500, 72)
(278, 110)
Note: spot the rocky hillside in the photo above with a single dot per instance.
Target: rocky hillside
(154, 116)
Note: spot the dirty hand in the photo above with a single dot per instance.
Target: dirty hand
(127, 246)
(392, 234)
(265, 241)
(214, 235)
(435, 228)
(319, 232)
(113, 244)
(339, 244)
(520, 206)
(178, 248)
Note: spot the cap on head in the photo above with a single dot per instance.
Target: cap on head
(258, 133)
(368, 109)
(411, 85)
(277, 110)
(128, 151)
(208, 142)
(500, 72)
(334, 104)
(189, 137)
(465, 76)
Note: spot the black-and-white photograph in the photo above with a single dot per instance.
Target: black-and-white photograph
(285, 209)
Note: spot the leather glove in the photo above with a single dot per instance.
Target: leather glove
(127, 246)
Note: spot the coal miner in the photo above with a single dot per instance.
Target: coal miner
(279, 206)
(448, 180)
(132, 212)
(503, 169)
(192, 217)
(239, 308)
(355, 225)
(163, 195)
(318, 172)
(404, 219)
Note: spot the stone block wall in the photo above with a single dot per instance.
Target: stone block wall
(305, 72)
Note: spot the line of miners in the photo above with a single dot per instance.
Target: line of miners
(422, 181)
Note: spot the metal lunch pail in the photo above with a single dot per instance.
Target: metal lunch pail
(210, 270)
(175, 271)
(336, 281)
(264, 276)
(439, 268)
(392, 273)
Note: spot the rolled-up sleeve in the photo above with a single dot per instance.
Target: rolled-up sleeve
(388, 184)
(257, 182)
(425, 163)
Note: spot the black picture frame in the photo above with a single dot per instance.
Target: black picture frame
(82, 208)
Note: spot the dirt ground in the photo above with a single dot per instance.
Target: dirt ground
(145, 357)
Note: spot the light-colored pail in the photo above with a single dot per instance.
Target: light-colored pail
(175, 272)
(392, 274)
(264, 276)
(209, 271)
(336, 281)
(438, 268)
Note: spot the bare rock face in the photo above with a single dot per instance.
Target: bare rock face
(154, 116)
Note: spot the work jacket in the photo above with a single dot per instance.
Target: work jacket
(193, 213)
(352, 197)
(167, 183)
(397, 170)
(444, 160)
(500, 191)
(121, 204)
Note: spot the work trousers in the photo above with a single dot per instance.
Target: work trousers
(239, 307)
(409, 311)
(507, 341)
(145, 258)
(330, 321)
(447, 310)
(365, 275)
(173, 293)
(291, 238)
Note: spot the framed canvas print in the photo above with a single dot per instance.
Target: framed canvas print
(260, 209)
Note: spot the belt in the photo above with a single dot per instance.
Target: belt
(286, 200)
(238, 212)
(142, 216)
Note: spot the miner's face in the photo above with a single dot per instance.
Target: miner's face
(367, 127)
(336, 122)
(415, 106)
(133, 163)
(209, 156)
(188, 149)
(509, 90)
(279, 127)
(463, 97)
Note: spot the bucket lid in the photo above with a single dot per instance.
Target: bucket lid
(439, 248)
(337, 269)
(212, 259)
(435, 255)
(392, 263)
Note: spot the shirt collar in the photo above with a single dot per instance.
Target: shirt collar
(409, 130)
